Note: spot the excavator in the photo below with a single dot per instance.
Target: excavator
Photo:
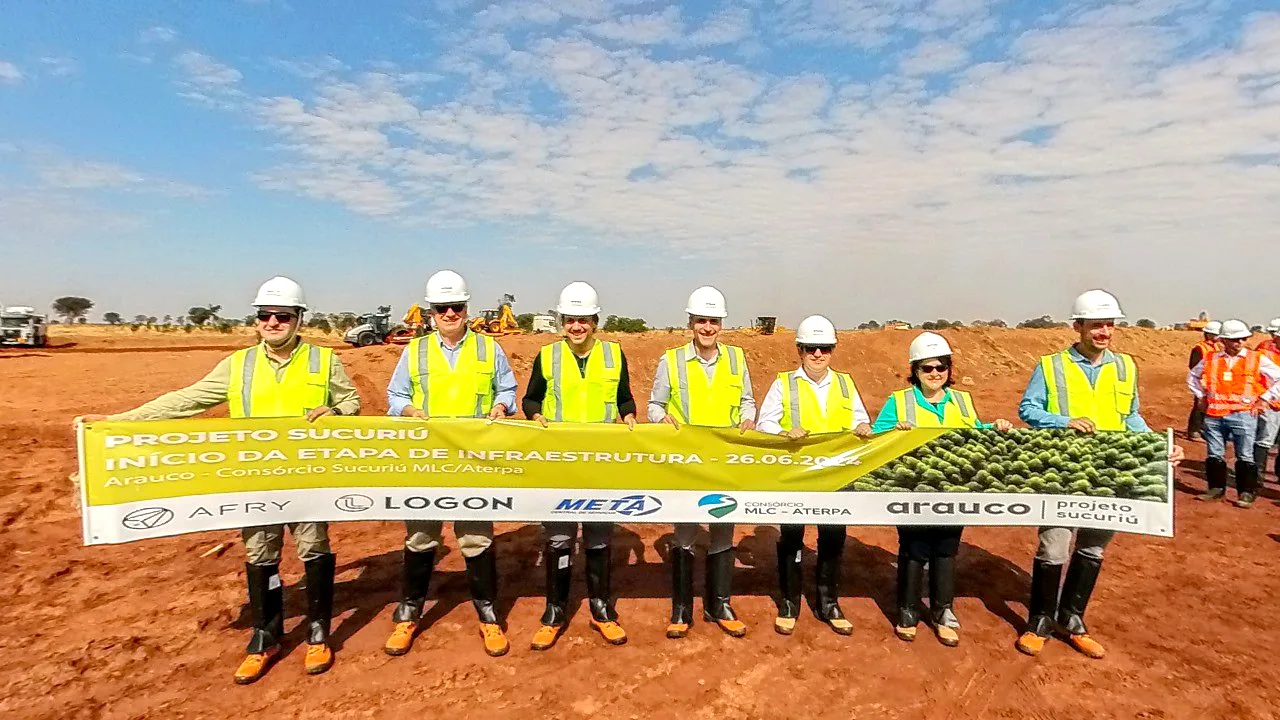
(497, 322)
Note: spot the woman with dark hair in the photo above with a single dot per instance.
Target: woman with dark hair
(930, 402)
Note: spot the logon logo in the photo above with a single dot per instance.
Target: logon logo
(354, 503)
(718, 505)
(147, 518)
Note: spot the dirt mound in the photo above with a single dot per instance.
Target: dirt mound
(151, 630)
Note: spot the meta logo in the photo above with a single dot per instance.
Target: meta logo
(629, 506)
(353, 503)
(147, 518)
(718, 505)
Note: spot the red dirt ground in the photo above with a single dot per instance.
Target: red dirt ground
(151, 630)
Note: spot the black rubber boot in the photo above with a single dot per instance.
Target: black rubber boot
(719, 592)
(559, 574)
(942, 591)
(266, 603)
(789, 581)
(910, 577)
(482, 577)
(681, 587)
(414, 583)
(1082, 576)
(1260, 453)
(1215, 475)
(1195, 423)
(1043, 605)
(1246, 483)
(598, 566)
(319, 571)
(830, 553)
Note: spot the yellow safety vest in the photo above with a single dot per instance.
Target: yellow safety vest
(464, 390)
(799, 400)
(303, 385)
(695, 400)
(571, 397)
(957, 410)
(1106, 402)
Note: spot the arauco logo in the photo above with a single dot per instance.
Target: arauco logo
(718, 505)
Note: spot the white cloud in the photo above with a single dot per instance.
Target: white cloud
(208, 81)
(934, 56)
(59, 66)
(726, 27)
(158, 34)
(10, 74)
(65, 174)
(656, 29)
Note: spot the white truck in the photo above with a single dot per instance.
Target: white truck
(544, 323)
(23, 327)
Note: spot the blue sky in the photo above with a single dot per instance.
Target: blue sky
(870, 158)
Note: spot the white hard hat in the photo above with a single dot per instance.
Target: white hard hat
(1213, 327)
(280, 292)
(1096, 305)
(446, 286)
(1273, 327)
(707, 301)
(928, 345)
(578, 299)
(1235, 330)
(816, 330)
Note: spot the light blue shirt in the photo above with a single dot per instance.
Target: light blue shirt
(888, 417)
(1036, 398)
(400, 391)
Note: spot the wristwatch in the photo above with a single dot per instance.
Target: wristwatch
(335, 410)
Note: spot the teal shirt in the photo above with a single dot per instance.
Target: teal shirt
(888, 417)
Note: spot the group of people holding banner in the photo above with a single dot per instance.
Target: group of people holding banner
(581, 378)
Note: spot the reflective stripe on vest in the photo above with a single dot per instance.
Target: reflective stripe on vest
(1231, 388)
(711, 403)
(303, 384)
(800, 404)
(573, 396)
(464, 390)
(1107, 402)
(957, 412)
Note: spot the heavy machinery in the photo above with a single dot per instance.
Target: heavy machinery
(497, 322)
(23, 327)
(377, 328)
(1199, 323)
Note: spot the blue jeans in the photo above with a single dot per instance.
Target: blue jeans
(1238, 428)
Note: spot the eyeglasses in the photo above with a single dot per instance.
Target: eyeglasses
(281, 317)
(456, 307)
(820, 349)
(574, 320)
(938, 368)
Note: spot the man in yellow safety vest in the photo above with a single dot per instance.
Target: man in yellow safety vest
(455, 373)
(281, 376)
(579, 379)
(703, 382)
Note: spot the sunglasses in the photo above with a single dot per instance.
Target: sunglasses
(935, 368)
(442, 309)
(281, 317)
(821, 349)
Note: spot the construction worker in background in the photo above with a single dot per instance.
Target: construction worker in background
(450, 373)
(281, 376)
(1087, 388)
(706, 383)
(812, 399)
(1269, 420)
(584, 380)
(930, 402)
(1233, 386)
(1201, 350)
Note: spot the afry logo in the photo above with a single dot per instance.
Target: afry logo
(718, 505)
(147, 518)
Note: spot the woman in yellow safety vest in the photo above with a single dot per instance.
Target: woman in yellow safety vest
(929, 402)
(812, 399)
(583, 380)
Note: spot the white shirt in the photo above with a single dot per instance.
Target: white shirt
(1268, 369)
(771, 409)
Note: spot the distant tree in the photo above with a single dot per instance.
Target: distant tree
(1256, 328)
(616, 323)
(168, 319)
(201, 315)
(139, 319)
(1044, 321)
(869, 325)
(72, 308)
(1122, 323)
(343, 322)
(525, 321)
(112, 318)
(928, 325)
(151, 320)
(82, 320)
(321, 323)
(1146, 323)
(997, 323)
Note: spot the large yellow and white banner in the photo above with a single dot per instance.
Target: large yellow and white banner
(152, 479)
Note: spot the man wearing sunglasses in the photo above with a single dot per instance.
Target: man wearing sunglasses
(703, 382)
(1087, 388)
(584, 380)
(281, 376)
(451, 372)
(812, 399)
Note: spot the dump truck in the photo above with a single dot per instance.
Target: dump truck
(22, 326)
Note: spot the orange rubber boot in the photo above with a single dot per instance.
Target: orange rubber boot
(495, 642)
(319, 658)
(255, 665)
(546, 637)
(1030, 644)
(610, 630)
(401, 638)
(1087, 646)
